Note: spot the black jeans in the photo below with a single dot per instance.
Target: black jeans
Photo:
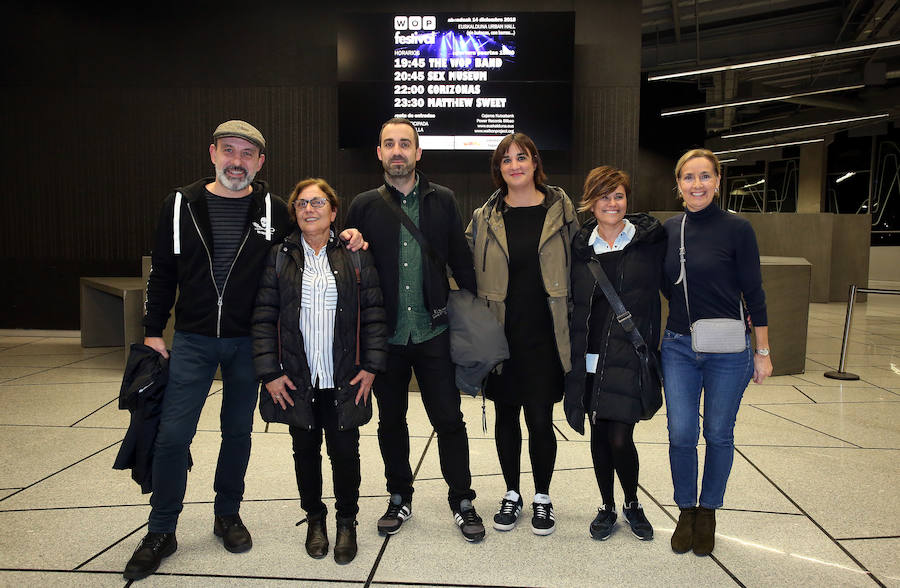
(436, 376)
(343, 450)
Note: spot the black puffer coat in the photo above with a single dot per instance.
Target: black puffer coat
(636, 274)
(279, 298)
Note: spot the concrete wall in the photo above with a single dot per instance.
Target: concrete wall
(884, 264)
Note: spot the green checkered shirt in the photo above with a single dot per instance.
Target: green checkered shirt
(413, 319)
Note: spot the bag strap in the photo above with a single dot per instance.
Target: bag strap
(622, 314)
(354, 258)
(682, 277)
(410, 226)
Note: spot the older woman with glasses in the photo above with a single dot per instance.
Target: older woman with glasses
(319, 337)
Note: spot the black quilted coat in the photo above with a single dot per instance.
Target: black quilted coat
(636, 274)
(279, 297)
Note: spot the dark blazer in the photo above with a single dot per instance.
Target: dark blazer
(279, 298)
(142, 392)
(439, 221)
(636, 274)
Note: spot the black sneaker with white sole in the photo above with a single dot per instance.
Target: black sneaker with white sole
(543, 522)
(468, 521)
(640, 526)
(510, 510)
(603, 524)
(397, 512)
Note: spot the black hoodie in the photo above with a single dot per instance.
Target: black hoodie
(201, 308)
(636, 274)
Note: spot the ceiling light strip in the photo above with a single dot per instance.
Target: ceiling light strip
(786, 59)
(773, 146)
(798, 127)
(734, 103)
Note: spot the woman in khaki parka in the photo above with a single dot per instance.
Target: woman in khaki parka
(520, 240)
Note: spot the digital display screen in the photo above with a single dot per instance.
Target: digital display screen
(464, 80)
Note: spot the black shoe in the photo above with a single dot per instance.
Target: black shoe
(603, 524)
(234, 534)
(397, 512)
(345, 544)
(316, 536)
(640, 526)
(468, 521)
(508, 515)
(542, 522)
(149, 553)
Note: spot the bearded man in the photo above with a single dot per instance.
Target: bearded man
(211, 240)
(415, 290)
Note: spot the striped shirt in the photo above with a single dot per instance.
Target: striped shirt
(318, 309)
(227, 219)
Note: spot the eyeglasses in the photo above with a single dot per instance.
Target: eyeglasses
(317, 202)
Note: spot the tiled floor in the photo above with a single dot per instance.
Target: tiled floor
(813, 498)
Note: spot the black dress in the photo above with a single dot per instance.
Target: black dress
(533, 373)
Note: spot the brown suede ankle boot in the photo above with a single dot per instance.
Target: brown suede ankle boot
(316, 536)
(345, 544)
(705, 531)
(683, 537)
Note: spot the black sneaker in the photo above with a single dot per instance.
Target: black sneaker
(508, 515)
(234, 534)
(543, 522)
(149, 553)
(603, 524)
(640, 526)
(468, 521)
(397, 512)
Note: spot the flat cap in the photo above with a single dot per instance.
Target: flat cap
(241, 129)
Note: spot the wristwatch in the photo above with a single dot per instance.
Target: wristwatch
(764, 351)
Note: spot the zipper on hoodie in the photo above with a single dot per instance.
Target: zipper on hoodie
(225, 283)
(212, 274)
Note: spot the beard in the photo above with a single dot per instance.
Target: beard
(234, 184)
(391, 168)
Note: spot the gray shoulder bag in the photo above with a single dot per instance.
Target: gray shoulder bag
(716, 335)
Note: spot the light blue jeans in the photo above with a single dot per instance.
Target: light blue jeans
(722, 377)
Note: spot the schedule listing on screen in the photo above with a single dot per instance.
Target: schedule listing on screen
(464, 80)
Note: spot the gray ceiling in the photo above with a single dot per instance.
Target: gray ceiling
(697, 34)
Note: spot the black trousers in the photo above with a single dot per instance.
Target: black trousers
(436, 376)
(343, 451)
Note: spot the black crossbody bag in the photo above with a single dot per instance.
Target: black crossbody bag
(651, 374)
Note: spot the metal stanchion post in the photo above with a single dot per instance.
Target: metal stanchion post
(840, 374)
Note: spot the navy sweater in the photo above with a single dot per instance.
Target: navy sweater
(722, 262)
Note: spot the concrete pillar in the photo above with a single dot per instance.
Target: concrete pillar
(811, 185)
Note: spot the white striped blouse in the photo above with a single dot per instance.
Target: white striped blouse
(318, 307)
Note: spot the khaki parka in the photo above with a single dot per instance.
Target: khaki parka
(486, 235)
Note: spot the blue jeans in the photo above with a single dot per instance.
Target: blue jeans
(192, 366)
(723, 378)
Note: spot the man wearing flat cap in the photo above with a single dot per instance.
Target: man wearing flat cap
(211, 239)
